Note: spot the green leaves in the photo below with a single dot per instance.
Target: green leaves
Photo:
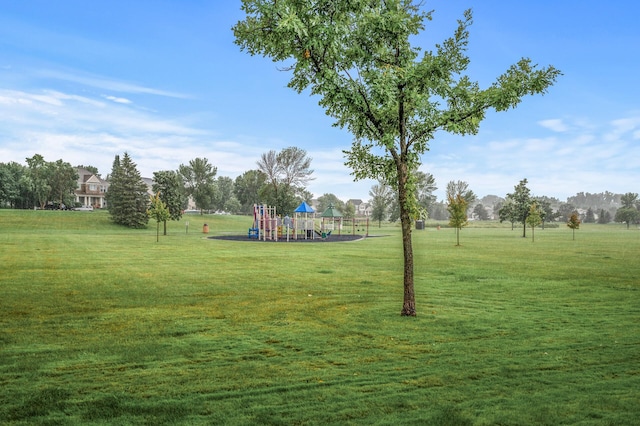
(158, 210)
(356, 55)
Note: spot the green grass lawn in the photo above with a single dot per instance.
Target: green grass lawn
(103, 325)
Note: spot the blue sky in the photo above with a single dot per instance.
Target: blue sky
(83, 81)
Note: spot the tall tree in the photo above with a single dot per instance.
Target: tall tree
(438, 211)
(11, 190)
(224, 194)
(507, 212)
(630, 200)
(604, 216)
(357, 56)
(590, 216)
(627, 215)
(425, 187)
(349, 211)
(37, 176)
(629, 212)
(461, 188)
(381, 196)
(517, 205)
(287, 174)
(481, 212)
(127, 196)
(169, 187)
(63, 180)
(199, 179)
(545, 208)
(247, 189)
(565, 210)
(326, 199)
(295, 167)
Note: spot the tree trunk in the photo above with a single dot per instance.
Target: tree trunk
(524, 229)
(165, 227)
(409, 304)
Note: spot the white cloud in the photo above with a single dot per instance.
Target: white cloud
(118, 100)
(621, 127)
(92, 130)
(555, 124)
(106, 83)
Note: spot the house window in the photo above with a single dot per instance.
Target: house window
(92, 187)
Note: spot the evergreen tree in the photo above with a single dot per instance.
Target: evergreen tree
(604, 217)
(127, 196)
(590, 217)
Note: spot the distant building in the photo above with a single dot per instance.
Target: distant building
(91, 189)
(149, 182)
(361, 208)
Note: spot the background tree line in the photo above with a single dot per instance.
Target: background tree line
(37, 184)
(280, 179)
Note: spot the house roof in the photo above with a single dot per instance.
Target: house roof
(331, 211)
(86, 176)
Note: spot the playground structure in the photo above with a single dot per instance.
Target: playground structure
(267, 225)
(345, 226)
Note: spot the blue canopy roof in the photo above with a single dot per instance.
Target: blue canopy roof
(304, 208)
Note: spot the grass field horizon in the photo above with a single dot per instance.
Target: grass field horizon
(103, 325)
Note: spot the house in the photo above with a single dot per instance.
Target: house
(91, 189)
(149, 182)
(361, 208)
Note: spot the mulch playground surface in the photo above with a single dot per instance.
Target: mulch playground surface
(329, 239)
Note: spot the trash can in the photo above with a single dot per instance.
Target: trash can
(419, 224)
(205, 229)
